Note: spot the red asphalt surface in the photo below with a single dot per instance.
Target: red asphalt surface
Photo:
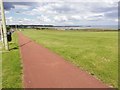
(44, 69)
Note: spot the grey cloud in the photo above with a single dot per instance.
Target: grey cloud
(112, 14)
(101, 7)
(65, 8)
(10, 5)
(104, 9)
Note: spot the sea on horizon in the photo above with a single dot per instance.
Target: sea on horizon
(107, 27)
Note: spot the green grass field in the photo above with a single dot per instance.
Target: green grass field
(11, 66)
(95, 52)
(0, 65)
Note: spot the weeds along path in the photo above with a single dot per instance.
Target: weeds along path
(44, 69)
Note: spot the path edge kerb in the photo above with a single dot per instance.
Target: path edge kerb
(21, 60)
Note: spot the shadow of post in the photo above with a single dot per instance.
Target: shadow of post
(25, 43)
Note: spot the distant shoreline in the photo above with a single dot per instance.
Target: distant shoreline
(89, 30)
(108, 27)
(78, 28)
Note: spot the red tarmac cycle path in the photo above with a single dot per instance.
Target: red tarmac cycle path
(44, 69)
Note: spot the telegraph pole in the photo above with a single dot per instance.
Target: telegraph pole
(1, 31)
(4, 25)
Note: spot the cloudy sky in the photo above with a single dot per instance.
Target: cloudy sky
(98, 12)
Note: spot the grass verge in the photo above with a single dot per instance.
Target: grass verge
(11, 65)
(95, 52)
(0, 65)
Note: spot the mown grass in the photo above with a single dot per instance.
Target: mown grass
(11, 66)
(95, 52)
(0, 65)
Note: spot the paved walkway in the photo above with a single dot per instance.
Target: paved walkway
(44, 69)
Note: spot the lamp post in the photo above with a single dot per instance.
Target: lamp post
(4, 25)
(16, 26)
(20, 24)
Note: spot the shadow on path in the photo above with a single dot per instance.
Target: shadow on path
(25, 43)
